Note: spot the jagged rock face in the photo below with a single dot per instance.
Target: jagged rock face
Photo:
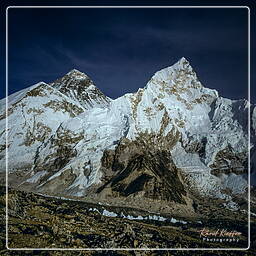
(226, 161)
(139, 172)
(80, 87)
(124, 145)
(58, 153)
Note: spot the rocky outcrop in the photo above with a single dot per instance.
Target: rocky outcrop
(137, 171)
(79, 87)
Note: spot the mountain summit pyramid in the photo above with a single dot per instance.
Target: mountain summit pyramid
(78, 86)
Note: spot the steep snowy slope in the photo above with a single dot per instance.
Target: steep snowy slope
(86, 137)
(174, 117)
(32, 117)
(36, 113)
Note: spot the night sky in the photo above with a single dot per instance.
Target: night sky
(120, 49)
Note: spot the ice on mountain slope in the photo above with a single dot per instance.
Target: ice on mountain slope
(173, 100)
(33, 115)
(253, 121)
(237, 183)
(36, 177)
(100, 129)
(189, 112)
(15, 97)
(174, 90)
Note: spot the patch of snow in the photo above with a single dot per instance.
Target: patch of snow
(36, 177)
(231, 206)
(108, 213)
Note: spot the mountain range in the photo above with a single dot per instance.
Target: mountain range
(169, 140)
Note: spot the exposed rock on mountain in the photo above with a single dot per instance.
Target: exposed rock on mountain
(167, 139)
(36, 113)
(143, 174)
(79, 87)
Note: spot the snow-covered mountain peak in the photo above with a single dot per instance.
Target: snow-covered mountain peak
(182, 63)
(179, 85)
(79, 87)
(73, 79)
(178, 76)
(76, 74)
(183, 66)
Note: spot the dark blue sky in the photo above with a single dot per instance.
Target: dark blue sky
(120, 49)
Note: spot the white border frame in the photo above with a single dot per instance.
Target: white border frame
(131, 249)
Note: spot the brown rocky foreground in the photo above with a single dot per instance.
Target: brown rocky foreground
(42, 222)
